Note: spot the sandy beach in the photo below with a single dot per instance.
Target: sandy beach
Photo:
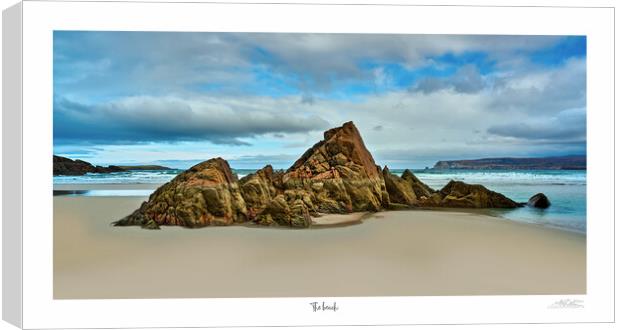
(398, 253)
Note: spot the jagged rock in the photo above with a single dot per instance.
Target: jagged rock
(276, 212)
(420, 189)
(206, 194)
(282, 212)
(462, 195)
(349, 178)
(539, 201)
(336, 175)
(258, 190)
(399, 190)
(300, 217)
(385, 196)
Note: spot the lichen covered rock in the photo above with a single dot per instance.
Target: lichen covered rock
(420, 189)
(336, 175)
(340, 172)
(399, 190)
(459, 194)
(206, 194)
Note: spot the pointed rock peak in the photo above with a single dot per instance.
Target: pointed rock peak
(419, 187)
(212, 171)
(267, 171)
(348, 127)
(407, 173)
(341, 147)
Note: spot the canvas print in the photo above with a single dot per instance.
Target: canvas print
(208, 165)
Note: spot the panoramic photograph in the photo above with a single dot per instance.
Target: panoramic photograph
(241, 165)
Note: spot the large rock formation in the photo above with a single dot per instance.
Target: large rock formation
(339, 173)
(66, 166)
(336, 175)
(206, 194)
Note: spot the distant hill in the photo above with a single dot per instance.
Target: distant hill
(509, 163)
(66, 166)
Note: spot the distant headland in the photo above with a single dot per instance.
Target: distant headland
(66, 166)
(576, 162)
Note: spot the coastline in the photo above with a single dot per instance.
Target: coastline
(409, 252)
(325, 221)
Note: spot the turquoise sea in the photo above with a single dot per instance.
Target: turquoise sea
(566, 190)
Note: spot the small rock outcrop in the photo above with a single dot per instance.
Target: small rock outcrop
(399, 189)
(421, 190)
(539, 201)
(459, 194)
(336, 175)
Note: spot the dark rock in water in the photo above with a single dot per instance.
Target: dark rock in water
(336, 175)
(462, 195)
(539, 201)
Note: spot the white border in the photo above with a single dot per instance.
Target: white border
(41, 18)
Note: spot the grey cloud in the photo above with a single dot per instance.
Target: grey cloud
(154, 62)
(377, 128)
(320, 58)
(568, 125)
(307, 99)
(532, 91)
(545, 91)
(466, 80)
(166, 119)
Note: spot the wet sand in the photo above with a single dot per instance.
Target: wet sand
(396, 253)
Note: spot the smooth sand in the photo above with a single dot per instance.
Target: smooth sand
(333, 220)
(398, 253)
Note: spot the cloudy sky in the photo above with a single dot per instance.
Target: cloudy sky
(180, 98)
